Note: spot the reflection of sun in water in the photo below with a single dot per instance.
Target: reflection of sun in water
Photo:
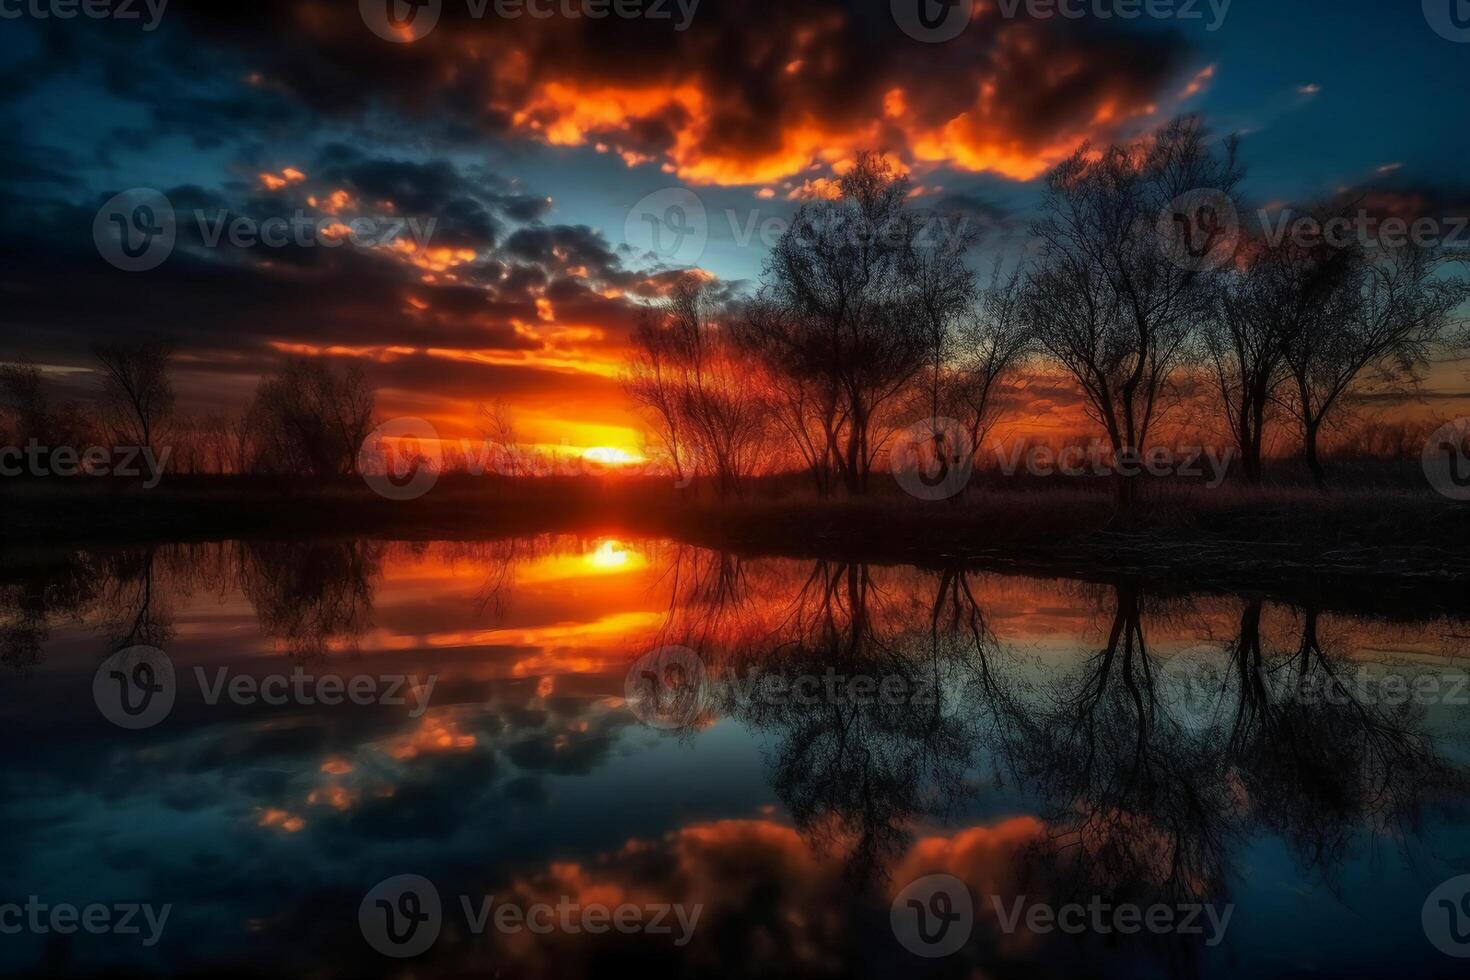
(610, 554)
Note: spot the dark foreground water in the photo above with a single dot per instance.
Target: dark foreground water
(561, 757)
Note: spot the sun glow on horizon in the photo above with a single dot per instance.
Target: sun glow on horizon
(609, 554)
(613, 456)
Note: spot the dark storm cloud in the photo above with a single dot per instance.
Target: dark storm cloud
(563, 246)
(462, 204)
(752, 92)
(26, 164)
(225, 298)
(983, 214)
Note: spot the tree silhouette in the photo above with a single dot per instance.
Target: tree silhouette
(1108, 298)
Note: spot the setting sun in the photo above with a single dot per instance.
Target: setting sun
(609, 554)
(612, 456)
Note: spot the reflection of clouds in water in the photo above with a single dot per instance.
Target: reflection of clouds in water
(764, 895)
(435, 733)
(524, 760)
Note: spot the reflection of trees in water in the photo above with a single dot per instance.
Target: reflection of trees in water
(500, 559)
(1144, 805)
(1139, 806)
(497, 562)
(956, 617)
(32, 599)
(312, 596)
(129, 592)
(854, 770)
(712, 602)
(1320, 759)
(1138, 798)
(1143, 802)
(135, 606)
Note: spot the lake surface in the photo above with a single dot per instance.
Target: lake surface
(560, 756)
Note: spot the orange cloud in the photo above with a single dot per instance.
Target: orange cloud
(275, 182)
(760, 95)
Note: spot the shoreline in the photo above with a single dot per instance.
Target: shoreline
(1363, 548)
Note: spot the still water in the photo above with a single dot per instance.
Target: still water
(555, 756)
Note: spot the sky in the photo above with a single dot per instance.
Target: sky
(508, 172)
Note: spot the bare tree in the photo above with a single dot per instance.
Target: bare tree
(700, 394)
(652, 380)
(805, 398)
(498, 427)
(726, 412)
(215, 444)
(204, 444)
(308, 419)
(186, 440)
(943, 293)
(841, 273)
(1381, 325)
(137, 392)
(993, 342)
(27, 410)
(1279, 292)
(239, 439)
(1109, 300)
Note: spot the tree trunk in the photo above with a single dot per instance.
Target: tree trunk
(856, 475)
(1126, 468)
(1312, 457)
(1259, 398)
(1251, 458)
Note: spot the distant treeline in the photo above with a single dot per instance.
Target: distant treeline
(306, 419)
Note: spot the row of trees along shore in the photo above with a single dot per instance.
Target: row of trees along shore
(869, 318)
